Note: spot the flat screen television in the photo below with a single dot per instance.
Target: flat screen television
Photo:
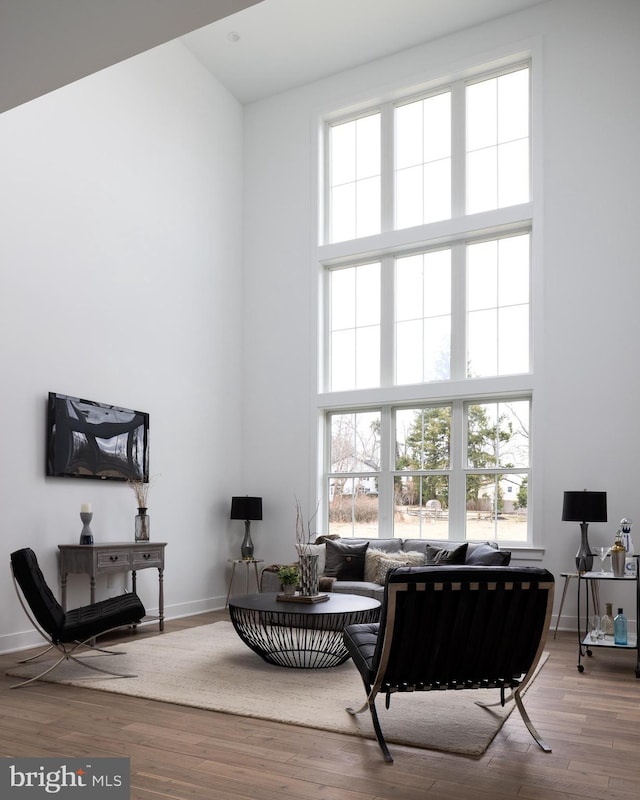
(86, 439)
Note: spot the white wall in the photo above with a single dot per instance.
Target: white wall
(587, 371)
(120, 281)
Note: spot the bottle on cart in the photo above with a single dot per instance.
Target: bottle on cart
(627, 541)
(620, 628)
(606, 623)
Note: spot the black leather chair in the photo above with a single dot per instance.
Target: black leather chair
(68, 632)
(454, 627)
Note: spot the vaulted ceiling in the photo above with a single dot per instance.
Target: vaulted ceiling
(278, 44)
(45, 44)
(256, 48)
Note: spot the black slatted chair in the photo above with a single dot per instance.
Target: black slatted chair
(68, 632)
(454, 627)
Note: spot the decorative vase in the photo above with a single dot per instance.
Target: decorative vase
(142, 525)
(86, 537)
(289, 588)
(308, 574)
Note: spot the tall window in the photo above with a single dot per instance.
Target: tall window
(439, 297)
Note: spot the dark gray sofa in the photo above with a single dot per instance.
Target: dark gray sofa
(348, 565)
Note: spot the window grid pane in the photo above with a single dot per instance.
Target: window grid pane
(354, 178)
(419, 512)
(498, 307)
(497, 135)
(423, 457)
(423, 161)
(498, 435)
(423, 317)
(497, 507)
(354, 327)
(498, 447)
(354, 473)
(423, 438)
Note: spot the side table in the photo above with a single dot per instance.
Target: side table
(585, 643)
(248, 563)
(595, 597)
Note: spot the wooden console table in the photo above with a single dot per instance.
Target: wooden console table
(110, 557)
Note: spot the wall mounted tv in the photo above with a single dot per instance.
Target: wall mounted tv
(86, 439)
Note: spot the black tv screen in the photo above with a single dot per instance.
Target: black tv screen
(86, 439)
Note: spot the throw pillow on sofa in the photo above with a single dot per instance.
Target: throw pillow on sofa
(389, 561)
(345, 560)
(487, 556)
(456, 555)
(376, 563)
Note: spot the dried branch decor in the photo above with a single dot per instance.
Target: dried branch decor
(303, 533)
(141, 491)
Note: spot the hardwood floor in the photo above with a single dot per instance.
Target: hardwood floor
(591, 720)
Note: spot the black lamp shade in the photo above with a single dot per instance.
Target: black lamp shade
(584, 507)
(246, 508)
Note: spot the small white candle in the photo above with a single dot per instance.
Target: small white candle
(85, 508)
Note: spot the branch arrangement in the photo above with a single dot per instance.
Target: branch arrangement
(303, 533)
(141, 491)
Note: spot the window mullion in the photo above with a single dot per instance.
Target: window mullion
(387, 167)
(458, 312)
(324, 338)
(458, 150)
(387, 322)
(457, 478)
(323, 221)
(385, 482)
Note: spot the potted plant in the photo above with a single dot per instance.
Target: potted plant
(289, 578)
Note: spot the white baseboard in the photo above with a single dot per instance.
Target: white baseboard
(25, 640)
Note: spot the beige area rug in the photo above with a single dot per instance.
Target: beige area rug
(210, 667)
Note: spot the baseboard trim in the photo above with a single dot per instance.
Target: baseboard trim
(26, 640)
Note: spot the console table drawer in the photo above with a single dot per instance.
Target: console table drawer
(114, 559)
(153, 557)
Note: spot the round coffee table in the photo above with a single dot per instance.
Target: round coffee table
(299, 635)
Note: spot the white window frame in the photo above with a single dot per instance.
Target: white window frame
(457, 471)
(451, 232)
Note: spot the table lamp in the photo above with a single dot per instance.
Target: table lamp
(584, 507)
(246, 508)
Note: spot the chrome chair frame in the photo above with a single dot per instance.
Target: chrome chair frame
(484, 609)
(68, 647)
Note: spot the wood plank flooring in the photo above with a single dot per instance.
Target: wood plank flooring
(591, 720)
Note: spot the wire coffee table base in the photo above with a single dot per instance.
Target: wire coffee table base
(302, 637)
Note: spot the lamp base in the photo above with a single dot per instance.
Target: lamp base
(584, 556)
(246, 548)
